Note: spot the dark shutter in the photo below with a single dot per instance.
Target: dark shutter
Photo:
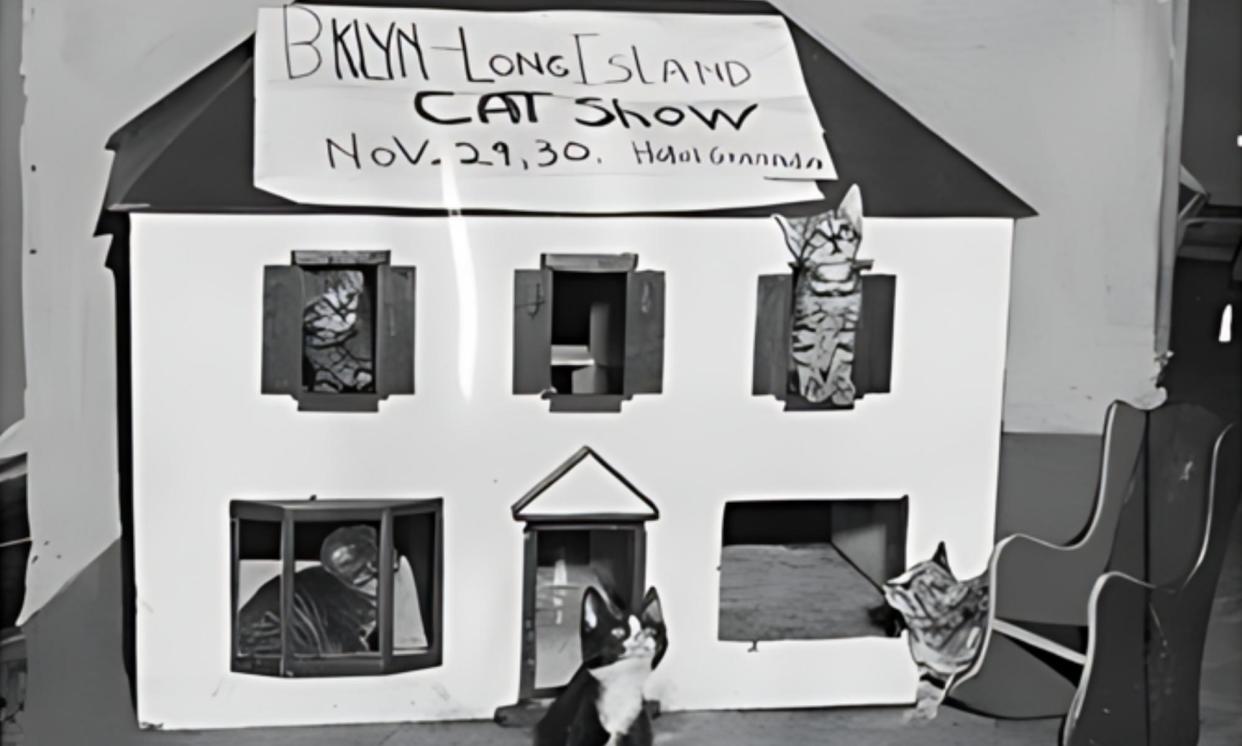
(772, 317)
(644, 333)
(282, 330)
(394, 330)
(873, 344)
(532, 330)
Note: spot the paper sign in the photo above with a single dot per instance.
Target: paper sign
(565, 111)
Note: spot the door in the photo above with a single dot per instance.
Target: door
(562, 561)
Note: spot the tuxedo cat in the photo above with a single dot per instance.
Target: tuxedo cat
(603, 703)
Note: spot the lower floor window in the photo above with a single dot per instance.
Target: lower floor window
(808, 569)
(336, 587)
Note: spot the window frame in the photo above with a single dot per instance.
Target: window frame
(385, 661)
(532, 303)
(374, 261)
(873, 348)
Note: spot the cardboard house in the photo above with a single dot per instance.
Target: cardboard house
(528, 403)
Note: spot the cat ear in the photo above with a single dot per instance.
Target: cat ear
(851, 208)
(792, 235)
(652, 612)
(593, 606)
(941, 557)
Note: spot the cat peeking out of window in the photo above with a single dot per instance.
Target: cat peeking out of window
(603, 703)
(946, 618)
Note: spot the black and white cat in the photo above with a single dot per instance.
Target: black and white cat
(603, 703)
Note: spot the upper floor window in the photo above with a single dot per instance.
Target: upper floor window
(588, 331)
(338, 329)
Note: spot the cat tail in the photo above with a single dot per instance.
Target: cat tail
(553, 728)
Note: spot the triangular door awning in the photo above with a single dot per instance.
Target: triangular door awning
(584, 488)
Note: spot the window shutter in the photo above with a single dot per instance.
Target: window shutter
(282, 330)
(532, 330)
(644, 333)
(873, 344)
(394, 330)
(772, 317)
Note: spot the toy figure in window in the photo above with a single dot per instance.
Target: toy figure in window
(337, 340)
(334, 603)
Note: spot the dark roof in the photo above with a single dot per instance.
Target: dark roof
(192, 151)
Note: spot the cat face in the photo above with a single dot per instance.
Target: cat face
(914, 593)
(609, 635)
(334, 313)
(825, 245)
(351, 553)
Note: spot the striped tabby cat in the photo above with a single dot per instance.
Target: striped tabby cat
(337, 343)
(946, 619)
(334, 607)
(827, 297)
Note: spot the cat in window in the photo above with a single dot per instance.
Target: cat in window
(946, 619)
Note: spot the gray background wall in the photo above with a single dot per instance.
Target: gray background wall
(12, 106)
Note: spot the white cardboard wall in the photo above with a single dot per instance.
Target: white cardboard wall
(205, 435)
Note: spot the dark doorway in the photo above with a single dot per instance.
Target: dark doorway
(1205, 369)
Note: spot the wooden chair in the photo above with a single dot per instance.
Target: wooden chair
(1141, 682)
(1037, 588)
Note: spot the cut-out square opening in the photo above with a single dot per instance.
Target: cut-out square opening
(327, 588)
(338, 329)
(588, 332)
(808, 569)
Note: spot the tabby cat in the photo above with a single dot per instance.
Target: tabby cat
(827, 298)
(946, 619)
(334, 604)
(603, 703)
(336, 340)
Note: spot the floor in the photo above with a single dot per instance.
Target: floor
(859, 727)
(793, 592)
(1220, 693)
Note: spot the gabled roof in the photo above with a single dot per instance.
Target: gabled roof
(585, 487)
(193, 150)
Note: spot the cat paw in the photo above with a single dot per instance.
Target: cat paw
(919, 714)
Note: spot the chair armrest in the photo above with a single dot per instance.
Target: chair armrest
(1112, 697)
(1034, 581)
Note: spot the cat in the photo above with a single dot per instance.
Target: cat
(946, 619)
(335, 339)
(334, 604)
(603, 703)
(827, 299)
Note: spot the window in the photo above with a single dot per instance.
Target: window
(336, 587)
(588, 331)
(808, 569)
(338, 330)
(872, 344)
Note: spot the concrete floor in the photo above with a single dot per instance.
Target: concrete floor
(864, 727)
